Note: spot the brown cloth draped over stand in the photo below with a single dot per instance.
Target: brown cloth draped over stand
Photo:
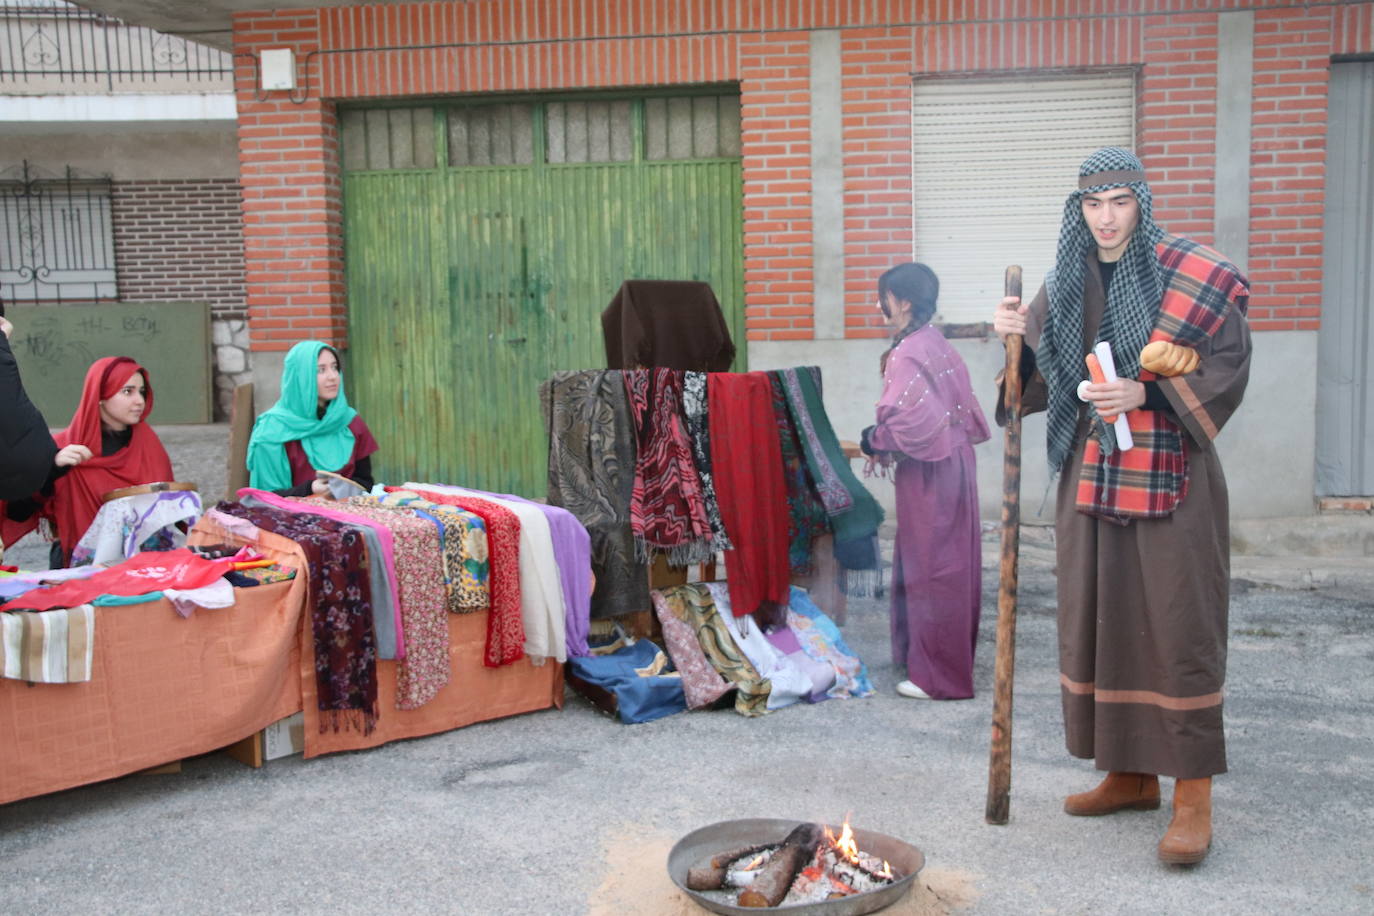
(668, 324)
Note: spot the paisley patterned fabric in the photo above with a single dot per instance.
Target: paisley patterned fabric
(693, 603)
(667, 512)
(591, 474)
(807, 519)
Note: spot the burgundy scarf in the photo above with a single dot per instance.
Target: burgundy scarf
(667, 510)
(340, 596)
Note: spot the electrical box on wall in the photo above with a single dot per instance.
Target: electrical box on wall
(278, 69)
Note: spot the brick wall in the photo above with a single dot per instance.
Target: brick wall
(289, 151)
(180, 241)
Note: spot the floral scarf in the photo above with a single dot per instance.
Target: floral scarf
(340, 597)
(694, 405)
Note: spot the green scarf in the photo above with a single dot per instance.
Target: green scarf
(327, 440)
(854, 514)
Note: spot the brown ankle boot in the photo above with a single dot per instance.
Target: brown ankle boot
(1119, 791)
(1190, 832)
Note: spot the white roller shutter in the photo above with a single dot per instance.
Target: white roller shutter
(992, 161)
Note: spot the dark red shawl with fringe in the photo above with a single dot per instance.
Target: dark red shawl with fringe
(667, 510)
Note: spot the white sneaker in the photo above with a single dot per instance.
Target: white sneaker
(908, 689)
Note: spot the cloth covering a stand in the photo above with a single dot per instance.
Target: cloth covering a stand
(670, 324)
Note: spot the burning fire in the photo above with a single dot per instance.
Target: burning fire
(757, 861)
(845, 843)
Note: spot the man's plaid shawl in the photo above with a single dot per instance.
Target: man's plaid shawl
(1150, 480)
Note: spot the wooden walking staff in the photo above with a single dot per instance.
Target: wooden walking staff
(999, 758)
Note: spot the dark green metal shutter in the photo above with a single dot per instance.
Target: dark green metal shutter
(469, 285)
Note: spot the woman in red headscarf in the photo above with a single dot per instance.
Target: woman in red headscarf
(106, 446)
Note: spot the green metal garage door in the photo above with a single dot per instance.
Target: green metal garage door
(482, 242)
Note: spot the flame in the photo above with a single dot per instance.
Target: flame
(845, 844)
(757, 861)
(887, 870)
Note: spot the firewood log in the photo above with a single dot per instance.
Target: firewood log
(776, 877)
(709, 874)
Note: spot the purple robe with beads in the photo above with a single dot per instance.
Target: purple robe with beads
(928, 423)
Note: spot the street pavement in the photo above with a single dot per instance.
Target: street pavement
(569, 812)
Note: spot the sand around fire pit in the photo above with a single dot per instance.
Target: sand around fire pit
(636, 881)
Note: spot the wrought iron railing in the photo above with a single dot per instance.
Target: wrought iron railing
(50, 43)
(56, 236)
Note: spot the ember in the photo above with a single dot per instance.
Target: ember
(810, 865)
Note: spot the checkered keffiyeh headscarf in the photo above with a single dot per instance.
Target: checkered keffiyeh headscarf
(1132, 301)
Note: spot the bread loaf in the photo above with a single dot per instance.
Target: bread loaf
(1169, 359)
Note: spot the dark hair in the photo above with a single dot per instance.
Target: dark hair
(914, 283)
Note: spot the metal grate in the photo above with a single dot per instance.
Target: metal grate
(56, 240)
(52, 43)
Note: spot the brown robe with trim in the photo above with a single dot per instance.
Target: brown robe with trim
(1143, 606)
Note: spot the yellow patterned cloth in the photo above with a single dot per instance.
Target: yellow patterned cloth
(466, 568)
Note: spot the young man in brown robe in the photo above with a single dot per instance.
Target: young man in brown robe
(1142, 534)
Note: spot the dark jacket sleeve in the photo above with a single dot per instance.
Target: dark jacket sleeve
(26, 447)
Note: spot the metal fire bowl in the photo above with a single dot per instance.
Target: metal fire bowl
(905, 859)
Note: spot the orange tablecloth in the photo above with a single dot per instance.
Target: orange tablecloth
(162, 687)
(474, 692)
(166, 687)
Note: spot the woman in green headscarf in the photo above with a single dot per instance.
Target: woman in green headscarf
(310, 429)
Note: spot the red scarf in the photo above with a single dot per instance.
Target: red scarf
(746, 460)
(77, 494)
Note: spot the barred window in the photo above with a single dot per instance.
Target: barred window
(56, 238)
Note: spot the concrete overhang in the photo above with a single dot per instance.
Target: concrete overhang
(208, 22)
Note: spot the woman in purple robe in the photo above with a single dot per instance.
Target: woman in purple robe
(928, 423)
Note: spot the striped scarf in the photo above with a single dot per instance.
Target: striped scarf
(48, 647)
(1150, 480)
(1133, 300)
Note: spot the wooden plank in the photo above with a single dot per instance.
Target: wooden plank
(248, 751)
(240, 429)
(163, 770)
